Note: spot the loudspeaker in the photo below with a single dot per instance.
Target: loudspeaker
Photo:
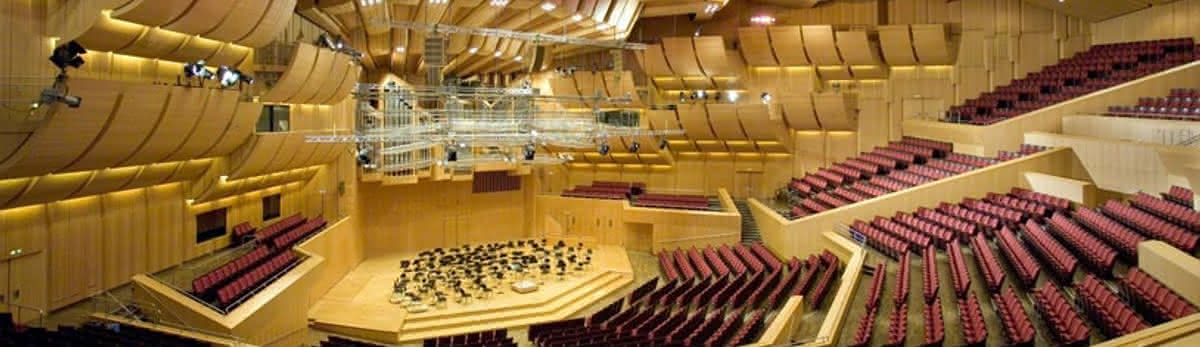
(539, 59)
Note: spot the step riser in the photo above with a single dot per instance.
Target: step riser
(511, 312)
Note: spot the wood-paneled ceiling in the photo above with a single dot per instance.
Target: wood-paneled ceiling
(364, 25)
(1096, 10)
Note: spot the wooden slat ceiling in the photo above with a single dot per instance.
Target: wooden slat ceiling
(399, 51)
(1096, 10)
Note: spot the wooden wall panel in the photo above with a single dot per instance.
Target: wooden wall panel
(756, 46)
(181, 115)
(896, 42)
(694, 119)
(856, 48)
(819, 44)
(785, 41)
(75, 241)
(800, 113)
(68, 133)
(139, 109)
(930, 41)
(724, 121)
(409, 218)
(681, 55)
(1177, 19)
(710, 51)
(302, 65)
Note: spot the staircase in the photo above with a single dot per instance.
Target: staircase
(749, 227)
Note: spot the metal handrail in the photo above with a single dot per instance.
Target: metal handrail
(181, 325)
(41, 313)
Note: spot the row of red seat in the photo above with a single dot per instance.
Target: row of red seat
(1181, 216)
(930, 275)
(870, 190)
(959, 275)
(252, 279)
(1151, 225)
(203, 285)
(1066, 325)
(850, 173)
(777, 297)
(852, 195)
(241, 231)
(898, 326)
(686, 271)
(1122, 238)
(1098, 255)
(949, 166)
(643, 290)
(930, 172)
(917, 150)
(866, 326)
(940, 235)
(1005, 214)
(971, 160)
(1026, 267)
(970, 320)
(1061, 261)
(1181, 196)
(311, 227)
(667, 267)
(766, 256)
(830, 200)
(702, 268)
(935, 323)
(884, 242)
(909, 178)
(900, 292)
(984, 221)
(1158, 302)
(748, 257)
(476, 339)
(714, 259)
(832, 267)
(1041, 198)
(943, 147)
(1018, 328)
(988, 265)
(917, 241)
(726, 330)
(875, 291)
(961, 228)
(889, 184)
(736, 265)
(269, 232)
(1029, 207)
(1114, 316)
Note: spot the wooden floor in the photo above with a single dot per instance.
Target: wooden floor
(358, 305)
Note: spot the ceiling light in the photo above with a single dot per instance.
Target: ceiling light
(401, 49)
(710, 8)
(497, 54)
(762, 19)
(548, 6)
(518, 58)
(499, 3)
(766, 98)
(576, 17)
(438, 2)
(733, 96)
(473, 50)
(228, 77)
(602, 26)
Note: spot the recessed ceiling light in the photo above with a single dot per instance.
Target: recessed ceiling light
(602, 26)
(548, 6)
(518, 58)
(472, 50)
(400, 49)
(576, 17)
(497, 54)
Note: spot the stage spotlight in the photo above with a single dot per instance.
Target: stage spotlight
(52, 95)
(451, 153)
(530, 151)
(324, 40)
(228, 76)
(197, 70)
(634, 147)
(766, 98)
(733, 96)
(700, 94)
(67, 55)
(662, 144)
(244, 78)
(603, 149)
(364, 157)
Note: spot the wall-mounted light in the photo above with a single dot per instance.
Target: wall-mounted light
(766, 98)
(499, 3)
(762, 19)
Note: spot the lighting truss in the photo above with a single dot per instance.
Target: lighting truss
(536, 38)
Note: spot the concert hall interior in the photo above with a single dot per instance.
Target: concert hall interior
(599, 173)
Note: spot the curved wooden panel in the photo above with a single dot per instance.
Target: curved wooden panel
(820, 45)
(321, 153)
(245, 117)
(723, 118)
(202, 17)
(182, 112)
(896, 42)
(229, 54)
(343, 89)
(682, 56)
(139, 109)
(328, 85)
(49, 188)
(757, 123)
(856, 48)
(242, 18)
(834, 72)
(787, 43)
(588, 84)
(335, 151)
(153, 174)
(837, 111)
(282, 159)
(664, 120)
(67, 133)
(214, 119)
(155, 43)
(152, 13)
(799, 113)
(931, 44)
(109, 180)
(695, 122)
(304, 58)
(304, 154)
(11, 188)
(11, 143)
(190, 170)
(219, 190)
(563, 86)
(194, 49)
(107, 34)
(272, 22)
(623, 87)
(656, 62)
(320, 73)
(756, 46)
(257, 154)
(710, 51)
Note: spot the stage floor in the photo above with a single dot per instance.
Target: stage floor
(358, 305)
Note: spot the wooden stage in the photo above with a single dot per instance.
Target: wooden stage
(358, 305)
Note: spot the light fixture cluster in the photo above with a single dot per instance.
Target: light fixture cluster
(473, 50)
(499, 3)
(438, 2)
(729, 96)
(762, 19)
(226, 76)
(367, 3)
(711, 8)
(337, 44)
(576, 17)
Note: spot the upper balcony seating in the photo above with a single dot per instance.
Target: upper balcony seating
(1181, 196)
(1041, 198)
(267, 233)
(917, 241)
(974, 328)
(949, 166)
(1182, 216)
(898, 326)
(666, 263)
(869, 190)
(1153, 299)
(102, 334)
(900, 292)
(970, 160)
(1066, 325)
(1098, 255)
(606, 190)
(1106, 309)
(987, 222)
(490, 338)
(884, 242)
(961, 228)
(959, 275)
(849, 173)
(988, 265)
(1028, 207)
(931, 172)
(929, 271)
(850, 195)
(1018, 328)
(1005, 214)
(684, 202)
(890, 184)
(1061, 261)
(1181, 104)
(1151, 225)
(298, 233)
(242, 232)
(1022, 261)
(1101, 66)
(935, 323)
(1122, 238)
(232, 293)
(940, 236)
(205, 286)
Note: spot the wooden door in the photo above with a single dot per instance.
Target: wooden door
(747, 185)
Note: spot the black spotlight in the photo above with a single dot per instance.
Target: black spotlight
(53, 95)
(364, 157)
(530, 151)
(662, 144)
(451, 154)
(228, 76)
(324, 40)
(634, 147)
(603, 149)
(197, 70)
(67, 55)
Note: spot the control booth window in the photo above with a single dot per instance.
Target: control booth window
(270, 207)
(210, 225)
(274, 118)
